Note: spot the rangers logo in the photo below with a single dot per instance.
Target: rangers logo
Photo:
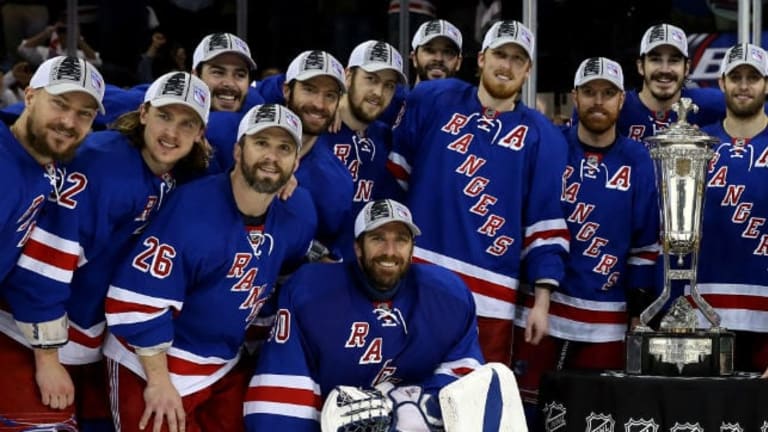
(599, 423)
(686, 427)
(259, 239)
(641, 425)
(555, 416)
(199, 96)
(731, 427)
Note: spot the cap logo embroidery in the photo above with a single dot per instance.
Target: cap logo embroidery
(657, 34)
(592, 67)
(379, 53)
(175, 85)
(737, 53)
(433, 27)
(315, 61)
(96, 81)
(379, 210)
(198, 95)
(241, 46)
(68, 69)
(265, 114)
(218, 41)
(507, 28)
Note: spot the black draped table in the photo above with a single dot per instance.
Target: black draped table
(615, 402)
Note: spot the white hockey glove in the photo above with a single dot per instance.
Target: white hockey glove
(413, 410)
(352, 409)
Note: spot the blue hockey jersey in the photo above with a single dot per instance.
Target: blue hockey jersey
(108, 195)
(610, 202)
(198, 277)
(329, 333)
(636, 121)
(733, 259)
(28, 185)
(364, 153)
(485, 188)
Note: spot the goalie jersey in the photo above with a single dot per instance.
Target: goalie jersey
(734, 245)
(106, 195)
(198, 276)
(328, 332)
(485, 188)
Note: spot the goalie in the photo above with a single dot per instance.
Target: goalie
(395, 332)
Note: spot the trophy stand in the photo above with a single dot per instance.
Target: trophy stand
(680, 154)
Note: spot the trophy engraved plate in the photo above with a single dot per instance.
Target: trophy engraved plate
(680, 154)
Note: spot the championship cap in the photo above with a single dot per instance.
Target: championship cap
(595, 68)
(509, 31)
(373, 56)
(310, 64)
(265, 116)
(380, 212)
(436, 28)
(219, 43)
(67, 74)
(664, 34)
(180, 88)
(745, 54)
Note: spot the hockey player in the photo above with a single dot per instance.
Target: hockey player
(116, 183)
(483, 175)
(179, 305)
(314, 83)
(436, 50)
(664, 65)
(61, 102)
(734, 246)
(362, 143)
(63, 97)
(611, 206)
(223, 61)
(383, 332)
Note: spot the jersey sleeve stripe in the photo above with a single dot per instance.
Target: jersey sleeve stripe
(283, 409)
(45, 269)
(51, 255)
(128, 296)
(398, 166)
(293, 396)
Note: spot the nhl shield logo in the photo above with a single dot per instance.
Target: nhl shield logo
(555, 416)
(731, 427)
(599, 423)
(686, 427)
(641, 425)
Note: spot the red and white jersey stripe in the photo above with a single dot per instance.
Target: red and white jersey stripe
(286, 395)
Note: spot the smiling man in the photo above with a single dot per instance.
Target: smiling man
(384, 334)
(664, 65)
(483, 175)
(223, 61)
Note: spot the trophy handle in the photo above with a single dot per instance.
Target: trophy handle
(647, 315)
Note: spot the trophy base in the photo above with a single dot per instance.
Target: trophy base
(699, 353)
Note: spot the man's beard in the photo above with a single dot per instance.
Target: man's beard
(38, 140)
(265, 186)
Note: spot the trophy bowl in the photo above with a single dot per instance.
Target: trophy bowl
(681, 154)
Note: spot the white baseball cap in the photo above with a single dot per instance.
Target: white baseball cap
(265, 116)
(180, 88)
(310, 64)
(373, 56)
(434, 29)
(664, 34)
(219, 43)
(510, 31)
(65, 74)
(380, 212)
(595, 68)
(745, 54)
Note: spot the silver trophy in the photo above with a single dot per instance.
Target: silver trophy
(681, 154)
